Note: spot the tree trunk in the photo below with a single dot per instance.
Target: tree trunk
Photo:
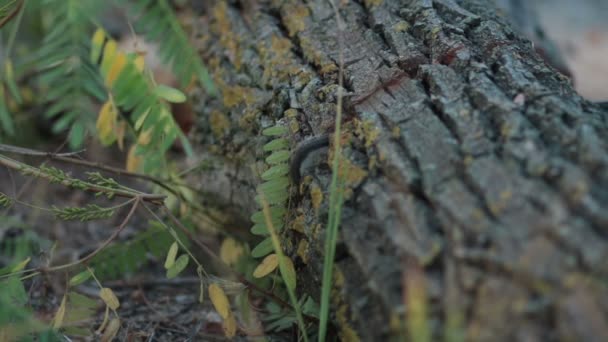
(477, 176)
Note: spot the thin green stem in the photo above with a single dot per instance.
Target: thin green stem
(335, 197)
(276, 244)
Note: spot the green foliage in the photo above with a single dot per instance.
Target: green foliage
(275, 188)
(88, 213)
(127, 257)
(5, 201)
(157, 20)
(72, 83)
(134, 90)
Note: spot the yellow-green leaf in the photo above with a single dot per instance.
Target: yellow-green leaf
(118, 64)
(229, 326)
(139, 63)
(262, 249)
(60, 315)
(111, 330)
(80, 278)
(170, 94)
(134, 162)
(18, 267)
(201, 296)
(288, 272)
(230, 251)
(108, 297)
(219, 300)
(106, 123)
(275, 131)
(178, 267)
(171, 254)
(109, 52)
(268, 265)
(96, 44)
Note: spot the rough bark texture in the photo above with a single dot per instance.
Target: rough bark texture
(474, 168)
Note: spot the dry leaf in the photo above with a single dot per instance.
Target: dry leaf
(111, 330)
(268, 265)
(108, 297)
(219, 300)
(58, 320)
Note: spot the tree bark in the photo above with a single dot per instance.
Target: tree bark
(477, 176)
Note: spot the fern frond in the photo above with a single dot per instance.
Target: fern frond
(65, 70)
(158, 21)
(275, 188)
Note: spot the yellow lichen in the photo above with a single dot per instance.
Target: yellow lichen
(372, 3)
(401, 26)
(295, 20)
(346, 332)
(298, 224)
(303, 249)
(219, 124)
(316, 196)
(233, 96)
(228, 39)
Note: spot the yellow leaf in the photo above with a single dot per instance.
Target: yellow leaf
(219, 300)
(201, 296)
(144, 137)
(268, 265)
(139, 63)
(108, 56)
(171, 254)
(121, 129)
(96, 44)
(111, 330)
(288, 272)
(106, 122)
(229, 326)
(117, 65)
(133, 161)
(108, 297)
(105, 320)
(58, 320)
(230, 251)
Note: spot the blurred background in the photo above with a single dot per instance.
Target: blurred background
(579, 29)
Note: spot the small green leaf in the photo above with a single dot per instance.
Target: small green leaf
(288, 272)
(170, 94)
(278, 157)
(275, 171)
(262, 249)
(80, 278)
(276, 144)
(275, 131)
(171, 254)
(178, 267)
(276, 213)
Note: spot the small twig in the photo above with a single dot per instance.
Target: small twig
(136, 201)
(36, 172)
(30, 152)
